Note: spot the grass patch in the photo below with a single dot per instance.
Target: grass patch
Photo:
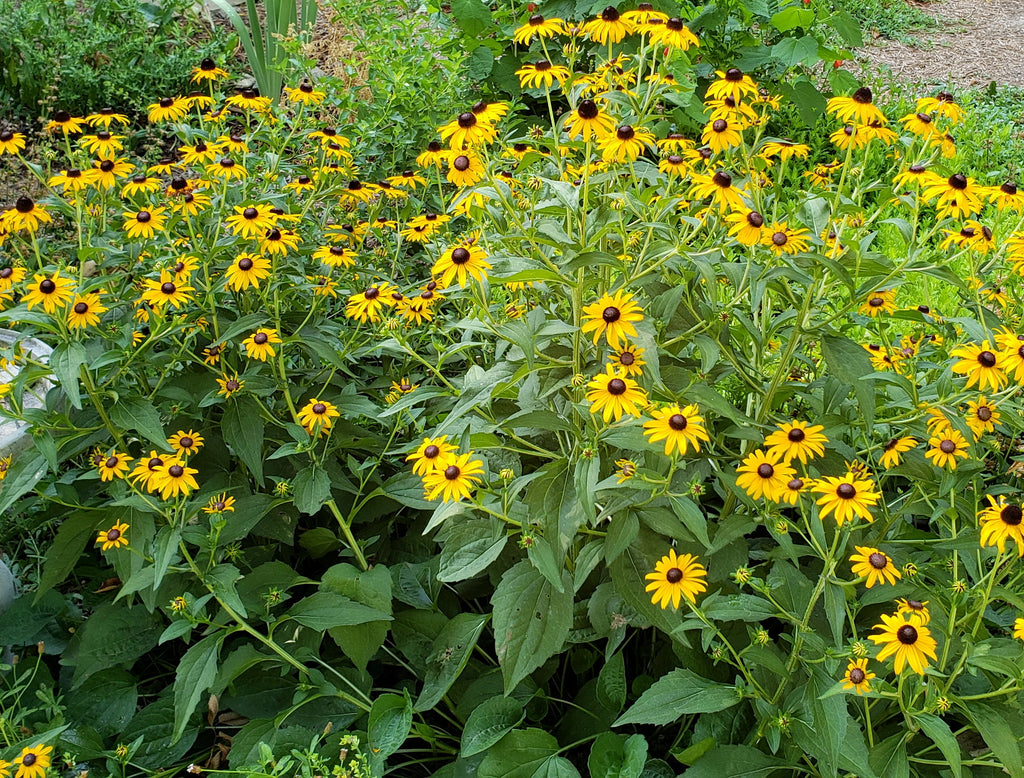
(891, 19)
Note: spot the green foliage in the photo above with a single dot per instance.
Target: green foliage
(82, 56)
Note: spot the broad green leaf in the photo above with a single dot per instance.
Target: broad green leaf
(790, 52)
(141, 415)
(849, 362)
(489, 722)
(243, 430)
(195, 674)
(323, 610)
(611, 683)
(677, 694)
(472, 16)
(889, 758)
(389, 724)
(478, 65)
(66, 362)
(556, 767)
(221, 581)
(531, 620)
(991, 722)
(106, 702)
(835, 609)
(312, 488)
(792, 17)
(153, 726)
(692, 518)
(448, 656)
(616, 756)
(519, 754)
(113, 635)
(66, 549)
(469, 547)
(371, 588)
(22, 476)
(940, 733)
(735, 762)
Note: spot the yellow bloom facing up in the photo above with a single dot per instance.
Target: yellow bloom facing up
(305, 94)
(454, 478)
(465, 169)
(679, 427)
(172, 479)
(85, 311)
(628, 360)
(981, 417)
(609, 27)
(164, 291)
(430, 455)
(613, 395)
(796, 440)
(219, 503)
(144, 223)
(113, 466)
(999, 522)
(878, 303)
(51, 291)
(460, 263)
(229, 385)
(946, 446)
(909, 641)
(781, 239)
(317, 416)
(625, 144)
(675, 577)
(33, 761)
(26, 215)
(186, 443)
(981, 365)
(874, 566)
(467, 130)
(612, 316)
(113, 537)
(251, 221)
(857, 676)
(260, 345)
(731, 83)
(366, 306)
(588, 122)
(247, 270)
(846, 498)
(764, 475)
(721, 135)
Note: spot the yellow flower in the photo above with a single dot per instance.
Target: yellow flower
(846, 498)
(113, 466)
(892, 450)
(454, 478)
(51, 291)
(540, 27)
(260, 345)
(910, 641)
(1018, 629)
(946, 446)
(172, 479)
(615, 395)
(858, 108)
(113, 537)
(678, 427)
(625, 144)
(675, 577)
(169, 109)
(609, 27)
(857, 676)
(160, 292)
(981, 365)
(913, 608)
(220, 503)
(795, 440)
(316, 416)
(186, 443)
(33, 761)
(764, 475)
(879, 302)
(366, 306)
(144, 223)
(461, 262)
(542, 74)
(430, 455)
(85, 311)
(874, 566)
(1001, 521)
(981, 417)
(612, 316)
(11, 142)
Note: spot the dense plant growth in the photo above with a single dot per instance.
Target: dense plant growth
(587, 446)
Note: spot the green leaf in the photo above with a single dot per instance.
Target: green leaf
(106, 702)
(790, 18)
(472, 16)
(622, 531)
(66, 362)
(371, 588)
(532, 620)
(556, 767)
(312, 489)
(194, 676)
(140, 414)
(389, 724)
(66, 549)
(489, 722)
(323, 610)
(790, 52)
(835, 610)
(611, 683)
(991, 722)
(848, 29)
(616, 756)
(692, 518)
(940, 733)
(469, 547)
(520, 754)
(478, 65)
(153, 726)
(113, 635)
(735, 762)
(849, 362)
(677, 694)
(889, 758)
(23, 475)
(448, 656)
(221, 581)
(243, 429)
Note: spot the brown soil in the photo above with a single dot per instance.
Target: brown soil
(977, 42)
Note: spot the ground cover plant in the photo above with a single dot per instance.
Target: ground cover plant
(583, 446)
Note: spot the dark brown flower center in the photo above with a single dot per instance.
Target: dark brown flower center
(765, 470)
(863, 96)
(610, 14)
(536, 20)
(627, 358)
(796, 434)
(542, 65)
(674, 24)
(846, 491)
(81, 307)
(61, 117)
(907, 635)
(917, 169)
(677, 422)
(24, 205)
(175, 471)
(452, 472)
(1011, 515)
(111, 462)
(924, 118)
(466, 120)
(878, 560)
(112, 534)
(274, 234)
(260, 338)
(232, 385)
(154, 463)
(674, 575)
(250, 213)
(6, 272)
(611, 314)
(734, 74)
(228, 163)
(1008, 188)
(461, 163)
(168, 287)
(876, 302)
(857, 676)
(675, 159)
(616, 386)
(319, 409)
(107, 165)
(143, 216)
(245, 264)
(984, 413)
(625, 132)
(947, 446)
(372, 293)
(754, 219)
(780, 238)
(47, 286)
(720, 125)
(460, 256)
(796, 484)
(186, 442)
(722, 179)
(166, 102)
(987, 359)
(957, 181)
(587, 109)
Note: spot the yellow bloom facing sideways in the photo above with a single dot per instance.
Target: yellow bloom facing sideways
(317, 416)
(795, 440)
(113, 466)
(675, 577)
(879, 302)
(454, 478)
(731, 83)
(613, 316)
(857, 676)
(946, 446)
(674, 34)
(958, 196)
(764, 475)
(614, 394)
(892, 450)
(999, 522)
(535, 75)
(538, 26)
(85, 311)
(874, 566)
(113, 537)
(913, 609)
(609, 27)
(679, 427)
(909, 641)
(858, 108)
(721, 135)
(366, 306)
(846, 498)
(11, 142)
(981, 365)
(747, 227)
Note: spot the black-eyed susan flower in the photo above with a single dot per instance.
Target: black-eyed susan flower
(675, 577)
(305, 94)
(608, 28)
(234, 142)
(335, 256)
(72, 179)
(913, 609)
(858, 108)
(784, 150)
(721, 135)
(980, 364)
(614, 395)
(166, 291)
(26, 215)
(433, 156)
(981, 417)
(168, 109)
(763, 475)
(115, 465)
(747, 227)
(220, 503)
(909, 642)
(1006, 197)
(64, 122)
(467, 129)
(879, 302)
(49, 290)
(539, 27)
(944, 105)
(454, 479)
(11, 142)
(260, 345)
(1018, 629)
(731, 83)
(251, 221)
(781, 238)
(999, 522)
(105, 172)
(846, 498)
(674, 34)
(874, 566)
(317, 416)
(85, 311)
(946, 446)
(719, 187)
(674, 165)
(796, 440)
(144, 223)
(857, 676)
(535, 75)
(279, 241)
(250, 100)
(680, 427)
(145, 469)
(921, 124)
(103, 144)
(172, 479)
(589, 122)
(893, 449)
(430, 455)
(113, 537)
(460, 263)
(628, 359)
(1011, 354)
(613, 316)
(465, 169)
(958, 196)
(141, 185)
(186, 443)
(229, 385)
(625, 144)
(9, 276)
(207, 71)
(791, 492)
(366, 305)
(247, 270)
(227, 169)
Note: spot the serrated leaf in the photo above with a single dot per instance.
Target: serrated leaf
(141, 415)
(312, 488)
(469, 547)
(66, 362)
(489, 722)
(323, 610)
(532, 619)
(448, 656)
(471, 15)
(611, 683)
(371, 588)
(676, 694)
(616, 756)
(389, 723)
